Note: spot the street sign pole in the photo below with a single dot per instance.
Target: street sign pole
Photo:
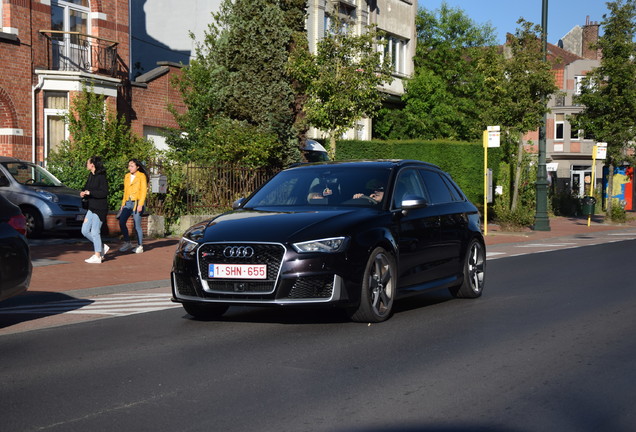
(599, 151)
(490, 138)
(589, 216)
(485, 142)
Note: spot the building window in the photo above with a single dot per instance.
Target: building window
(396, 50)
(55, 109)
(346, 14)
(575, 134)
(578, 84)
(70, 51)
(559, 125)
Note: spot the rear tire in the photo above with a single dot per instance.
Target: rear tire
(474, 272)
(205, 312)
(378, 288)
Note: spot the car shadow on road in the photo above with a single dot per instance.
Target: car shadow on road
(300, 315)
(35, 305)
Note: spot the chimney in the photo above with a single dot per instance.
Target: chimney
(589, 38)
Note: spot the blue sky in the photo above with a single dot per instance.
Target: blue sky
(563, 15)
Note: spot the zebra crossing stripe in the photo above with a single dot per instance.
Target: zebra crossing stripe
(115, 305)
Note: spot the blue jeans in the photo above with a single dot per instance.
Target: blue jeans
(123, 218)
(91, 229)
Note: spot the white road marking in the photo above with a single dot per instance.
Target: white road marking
(531, 245)
(115, 305)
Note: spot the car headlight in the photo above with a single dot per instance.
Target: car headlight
(195, 232)
(47, 195)
(189, 241)
(186, 246)
(328, 245)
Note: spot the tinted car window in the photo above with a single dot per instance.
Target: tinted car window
(454, 189)
(437, 189)
(408, 183)
(336, 185)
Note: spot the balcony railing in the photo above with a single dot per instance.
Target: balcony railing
(72, 51)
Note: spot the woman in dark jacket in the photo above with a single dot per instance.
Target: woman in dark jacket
(95, 192)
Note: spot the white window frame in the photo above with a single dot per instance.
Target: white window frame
(578, 84)
(66, 46)
(54, 112)
(396, 48)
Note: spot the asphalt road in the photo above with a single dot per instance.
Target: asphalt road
(549, 347)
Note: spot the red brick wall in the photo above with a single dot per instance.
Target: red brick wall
(150, 104)
(21, 58)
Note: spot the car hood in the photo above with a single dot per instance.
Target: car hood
(284, 226)
(65, 194)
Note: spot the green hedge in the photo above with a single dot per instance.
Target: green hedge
(464, 161)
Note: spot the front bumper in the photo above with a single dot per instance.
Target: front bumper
(293, 278)
(63, 218)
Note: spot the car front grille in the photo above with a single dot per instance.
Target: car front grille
(320, 287)
(70, 208)
(264, 253)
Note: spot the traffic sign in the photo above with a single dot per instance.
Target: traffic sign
(601, 150)
(494, 136)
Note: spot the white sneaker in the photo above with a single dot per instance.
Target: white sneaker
(105, 250)
(94, 259)
(139, 249)
(126, 246)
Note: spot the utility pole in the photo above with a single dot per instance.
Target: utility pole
(541, 220)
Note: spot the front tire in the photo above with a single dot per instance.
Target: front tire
(474, 272)
(205, 312)
(378, 288)
(34, 222)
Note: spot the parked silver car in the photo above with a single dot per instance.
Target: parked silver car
(46, 202)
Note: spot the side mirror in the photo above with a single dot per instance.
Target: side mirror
(238, 203)
(410, 202)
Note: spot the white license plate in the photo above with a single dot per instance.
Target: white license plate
(237, 271)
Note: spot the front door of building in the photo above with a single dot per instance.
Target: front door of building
(580, 178)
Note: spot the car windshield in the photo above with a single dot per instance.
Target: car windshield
(323, 185)
(30, 174)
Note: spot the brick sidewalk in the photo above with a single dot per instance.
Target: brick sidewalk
(559, 227)
(61, 267)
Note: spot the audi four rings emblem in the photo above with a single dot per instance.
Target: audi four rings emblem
(238, 252)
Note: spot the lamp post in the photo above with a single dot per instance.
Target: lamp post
(541, 220)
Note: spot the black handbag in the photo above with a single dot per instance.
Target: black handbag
(85, 203)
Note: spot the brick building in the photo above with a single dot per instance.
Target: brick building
(50, 50)
(569, 151)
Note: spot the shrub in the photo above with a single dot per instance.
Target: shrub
(464, 161)
(618, 213)
(96, 131)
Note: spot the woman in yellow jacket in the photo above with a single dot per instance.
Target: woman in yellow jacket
(135, 191)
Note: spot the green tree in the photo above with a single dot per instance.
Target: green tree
(526, 83)
(609, 91)
(341, 79)
(96, 130)
(450, 91)
(238, 81)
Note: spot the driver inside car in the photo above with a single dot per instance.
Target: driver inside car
(376, 195)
